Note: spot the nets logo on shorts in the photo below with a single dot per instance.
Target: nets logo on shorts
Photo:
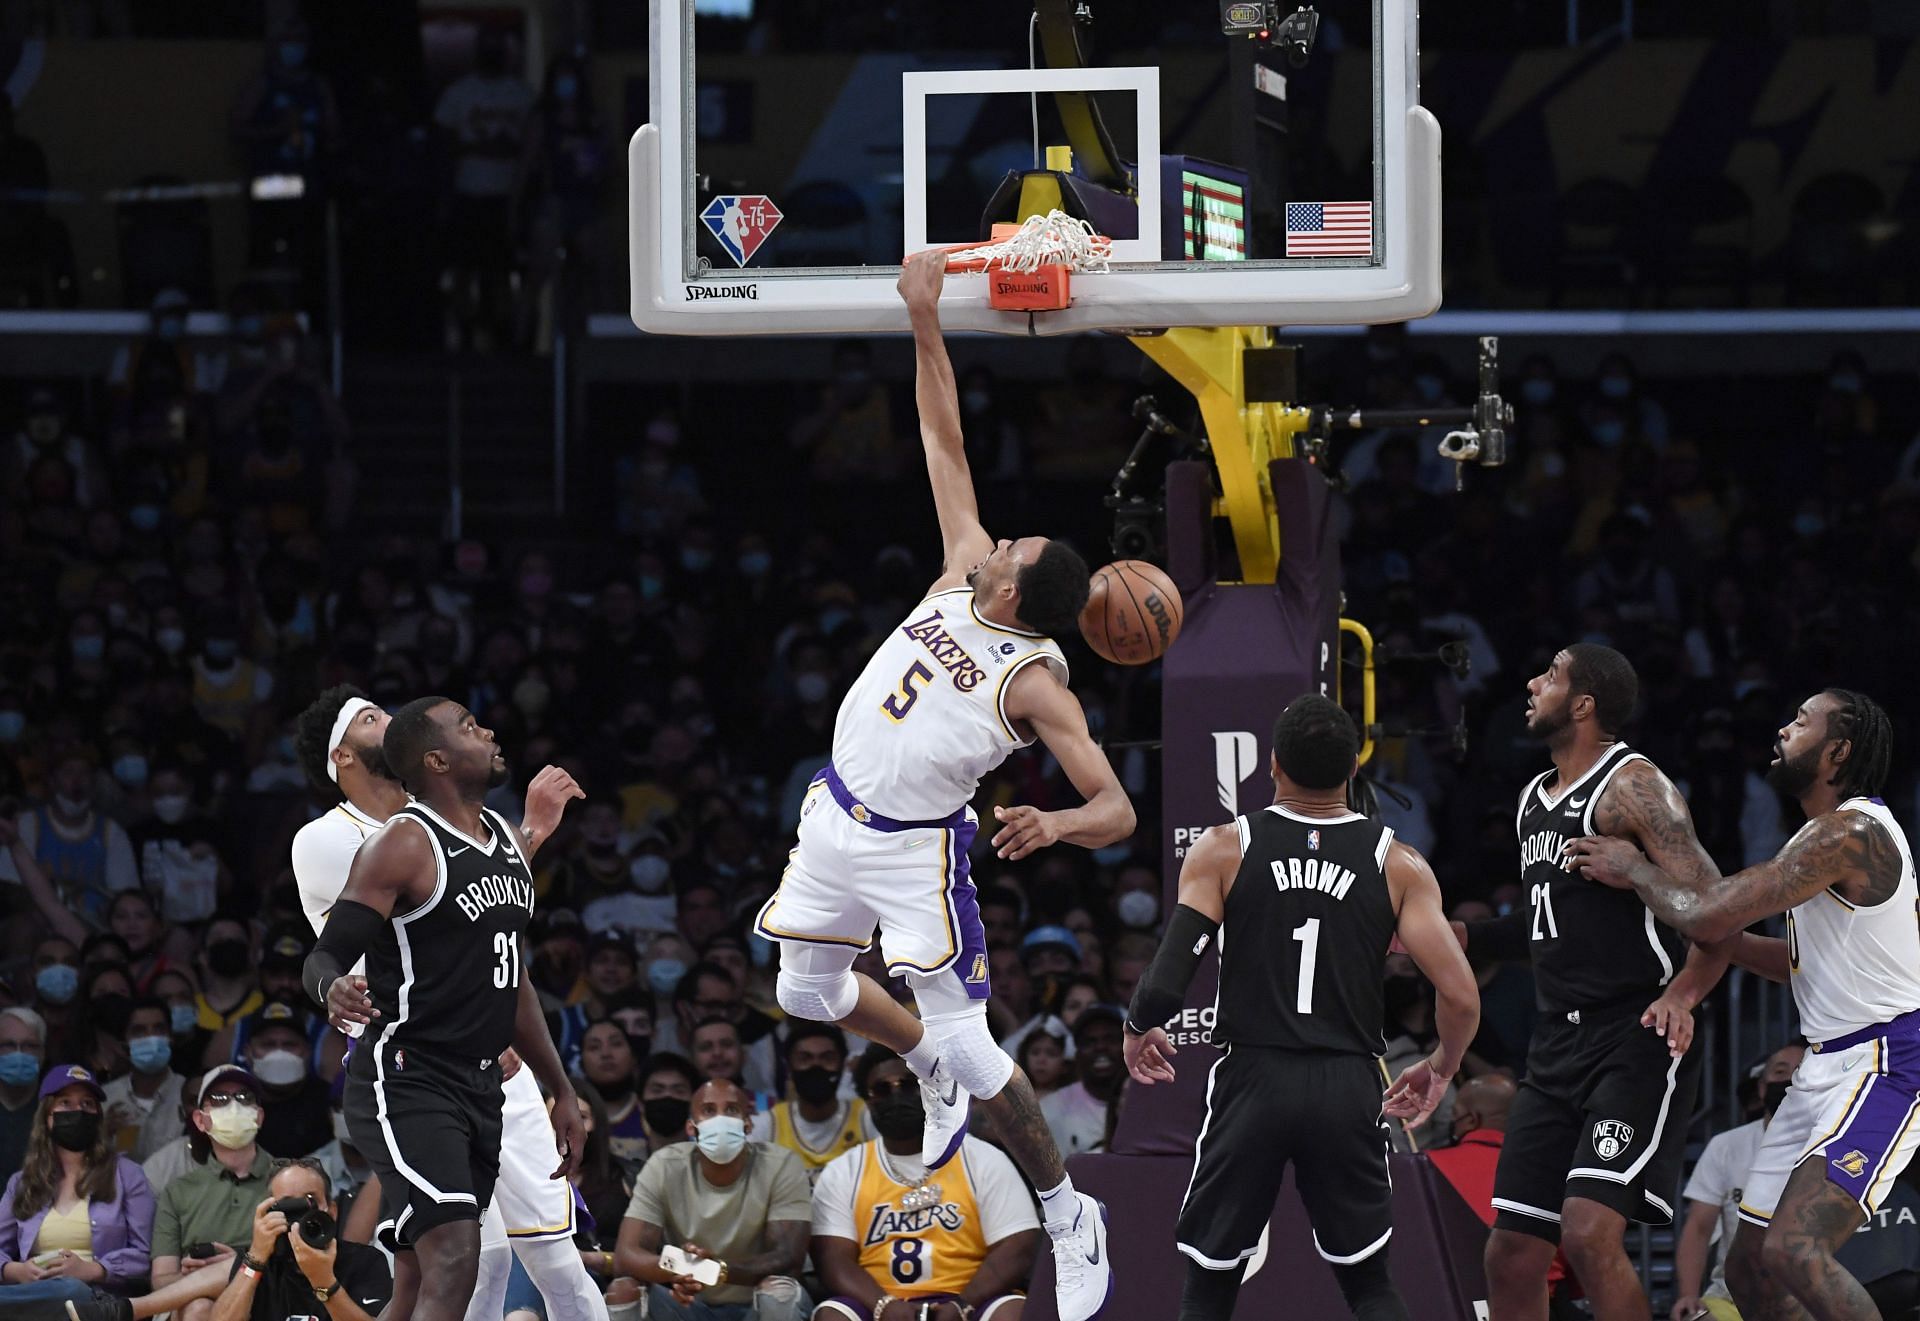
(1854, 1163)
(1611, 1137)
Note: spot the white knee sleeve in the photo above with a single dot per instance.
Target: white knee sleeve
(554, 1267)
(816, 981)
(958, 1023)
(490, 1283)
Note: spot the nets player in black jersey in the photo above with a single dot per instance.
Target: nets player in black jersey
(1597, 1131)
(1304, 898)
(438, 902)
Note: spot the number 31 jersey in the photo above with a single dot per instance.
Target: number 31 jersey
(927, 717)
(446, 975)
(1591, 945)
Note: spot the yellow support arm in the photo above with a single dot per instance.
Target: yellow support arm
(1245, 437)
(1367, 711)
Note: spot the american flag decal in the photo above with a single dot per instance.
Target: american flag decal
(1329, 229)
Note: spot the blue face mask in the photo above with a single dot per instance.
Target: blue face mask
(566, 87)
(19, 1069)
(12, 725)
(150, 1054)
(89, 647)
(145, 518)
(57, 983)
(665, 974)
(184, 1019)
(130, 769)
(293, 54)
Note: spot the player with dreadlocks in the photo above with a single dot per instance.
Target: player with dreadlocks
(1851, 1120)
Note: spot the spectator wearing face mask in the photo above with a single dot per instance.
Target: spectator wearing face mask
(44, 433)
(710, 991)
(175, 990)
(56, 989)
(558, 942)
(743, 1204)
(229, 988)
(76, 1215)
(106, 998)
(230, 692)
(211, 1205)
(85, 855)
(1713, 1197)
(297, 1116)
(667, 1083)
(1077, 1114)
(891, 1239)
(818, 1125)
(647, 905)
(23, 1045)
(143, 1106)
(280, 964)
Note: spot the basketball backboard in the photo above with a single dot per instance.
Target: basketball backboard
(777, 193)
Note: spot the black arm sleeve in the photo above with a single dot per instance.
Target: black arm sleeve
(1163, 989)
(349, 932)
(1498, 938)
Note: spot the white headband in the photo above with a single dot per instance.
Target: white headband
(352, 707)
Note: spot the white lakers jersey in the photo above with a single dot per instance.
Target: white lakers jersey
(1855, 967)
(927, 717)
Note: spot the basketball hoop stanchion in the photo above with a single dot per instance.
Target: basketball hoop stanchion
(1029, 266)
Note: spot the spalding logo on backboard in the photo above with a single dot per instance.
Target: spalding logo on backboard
(741, 224)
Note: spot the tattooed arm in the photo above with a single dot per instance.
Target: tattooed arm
(1846, 852)
(1641, 804)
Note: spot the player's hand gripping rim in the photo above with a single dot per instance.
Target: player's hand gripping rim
(1023, 830)
(1149, 1056)
(348, 1002)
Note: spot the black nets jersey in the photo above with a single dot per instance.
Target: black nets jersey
(1591, 945)
(1303, 945)
(446, 975)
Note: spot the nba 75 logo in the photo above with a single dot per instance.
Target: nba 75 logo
(741, 223)
(1611, 1137)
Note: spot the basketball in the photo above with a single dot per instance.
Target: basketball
(1133, 613)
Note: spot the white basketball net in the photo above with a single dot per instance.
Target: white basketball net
(1055, 239)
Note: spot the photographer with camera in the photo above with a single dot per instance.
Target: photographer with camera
(296, 1265)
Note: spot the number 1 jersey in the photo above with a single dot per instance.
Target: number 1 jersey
(1591, 945)
(446, 975)
(928, 717)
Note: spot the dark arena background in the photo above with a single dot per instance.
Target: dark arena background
(319, 365)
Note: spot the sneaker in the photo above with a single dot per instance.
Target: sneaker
(946, 1104)
(99, 1305)
(1082, 1275)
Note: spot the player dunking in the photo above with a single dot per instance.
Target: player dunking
(968, 677)
(339, 740)
(1598, 1127)
(1851, 1120)
(437, 903)
(1304, 899)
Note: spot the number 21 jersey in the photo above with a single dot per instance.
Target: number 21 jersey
(1591, 945)
(928, 716)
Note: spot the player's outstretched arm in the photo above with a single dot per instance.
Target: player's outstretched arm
(1205, 876)
(1431, 943)
(1039, 699)
(534, 1043)
(1837, 850)
(548, 794)
(389, 868)
(964, 543)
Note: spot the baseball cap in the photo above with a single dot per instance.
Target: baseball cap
(277, 1013)
(71, 1075)
(1051, 937)
(284, 950)
(1098, 1013)
(223, 1071)
(611, 940)
(552, 922)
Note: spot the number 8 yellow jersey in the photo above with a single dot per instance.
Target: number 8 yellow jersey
(920, 1234)
(927, 717)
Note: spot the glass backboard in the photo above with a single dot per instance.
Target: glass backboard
(797, 152)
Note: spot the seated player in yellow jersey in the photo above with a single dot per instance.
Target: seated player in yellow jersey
(819, 1125)
(890, 1237)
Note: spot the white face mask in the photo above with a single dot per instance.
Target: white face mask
(280, 1068)
(812, 687)
(171, 808)
(1138, 908)
(721, 1138)
(649, 872)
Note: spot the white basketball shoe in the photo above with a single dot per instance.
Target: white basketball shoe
(1082, 1275)
(946, 1103)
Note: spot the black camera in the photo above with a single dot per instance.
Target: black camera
(1261, 20)
(316, 1226)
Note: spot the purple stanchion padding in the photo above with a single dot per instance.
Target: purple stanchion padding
(1434, 1256)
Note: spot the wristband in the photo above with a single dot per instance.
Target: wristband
(880, 1307)
(252, 1263)
(248, 1269)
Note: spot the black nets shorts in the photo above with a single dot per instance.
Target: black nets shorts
(1602, 1114)
(430, 1127)
(1267, 1109)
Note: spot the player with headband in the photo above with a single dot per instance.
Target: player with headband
(338, 739)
